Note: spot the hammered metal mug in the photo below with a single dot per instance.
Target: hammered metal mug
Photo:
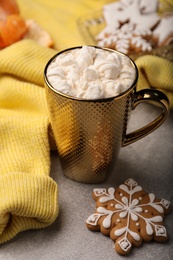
(90, 133)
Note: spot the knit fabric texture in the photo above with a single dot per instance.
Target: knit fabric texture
(28, 195)
(156, 73)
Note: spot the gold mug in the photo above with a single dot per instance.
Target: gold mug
(90, 133)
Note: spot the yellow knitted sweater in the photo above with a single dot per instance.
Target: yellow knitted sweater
(28, 195)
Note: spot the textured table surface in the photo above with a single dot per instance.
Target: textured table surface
(149, 161)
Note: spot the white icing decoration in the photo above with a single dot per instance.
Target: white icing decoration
(142, 31)
(111, 191)
(152, 197)
(134, 216)
(126, 189)
(156, 219)
(148, 6)
(135, 202)
(131, 182)
(136, 189)
(165, 203)
(141, 43)
(149, 229)
(99, 192)
(103, 210)
(118, 206)
(123, 214)
(138, 209)
(120, 231)
(164, 30)
(128, 208)
(110, 196)
(93, 219)
(107, 221)
(157, 207)
(125, 244)
(125, 200)
(160, 231)
(134, 235)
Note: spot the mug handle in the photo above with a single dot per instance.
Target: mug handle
(150, 96)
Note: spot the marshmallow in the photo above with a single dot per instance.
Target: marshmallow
(91, 73)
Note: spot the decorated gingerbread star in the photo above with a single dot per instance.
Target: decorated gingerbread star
(134, 26)
(129, 215)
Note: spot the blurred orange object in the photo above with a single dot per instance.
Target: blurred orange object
(14, 28)
(12, 25)
(8, 7)
(11, 30)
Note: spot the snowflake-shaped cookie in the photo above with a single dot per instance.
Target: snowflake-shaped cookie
(128, 26)
(134, 26)
(129, 215)
(128, 37)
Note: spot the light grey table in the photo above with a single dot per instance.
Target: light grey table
(149, 161)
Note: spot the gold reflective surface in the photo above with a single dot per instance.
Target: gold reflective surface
(90, 133)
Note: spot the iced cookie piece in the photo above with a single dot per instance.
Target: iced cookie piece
(129, 215)
(133, 27)
(128, 26)
(163, 34)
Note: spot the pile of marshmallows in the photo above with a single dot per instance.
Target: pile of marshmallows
(91, 73)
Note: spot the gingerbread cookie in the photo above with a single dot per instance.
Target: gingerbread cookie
(134, 26)
(129, 215)
(163, 34)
